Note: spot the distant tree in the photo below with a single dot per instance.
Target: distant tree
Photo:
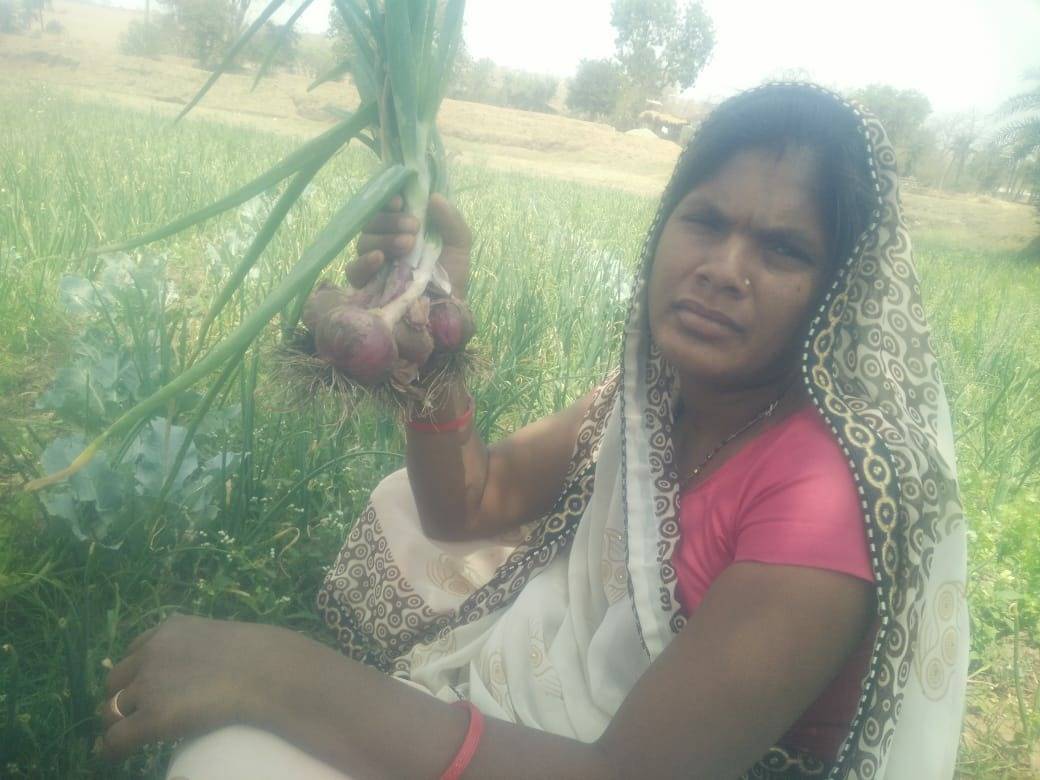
(339, 34)
(1020, 134)
(475, 81)
(149, 37)
(34, 10)
(10, 17)
(479, 81)
(260, 44)
(595, 88)
(958, 135)
(526, 91)
(208, 27)
(659, 45)
(1020, 130)
(902, 112)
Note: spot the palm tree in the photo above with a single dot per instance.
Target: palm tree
(1021, 135)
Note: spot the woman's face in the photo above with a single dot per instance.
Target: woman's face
(738, 268)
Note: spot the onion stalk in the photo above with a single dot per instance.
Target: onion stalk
(401, 63)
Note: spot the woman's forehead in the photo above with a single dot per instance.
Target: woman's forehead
(771, 188)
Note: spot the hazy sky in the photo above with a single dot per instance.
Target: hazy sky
(962, 54)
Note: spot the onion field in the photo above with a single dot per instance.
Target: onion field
(238, 513)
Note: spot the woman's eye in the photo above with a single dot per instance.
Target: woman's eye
(788, 251)
(702, 222)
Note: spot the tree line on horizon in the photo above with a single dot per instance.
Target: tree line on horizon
(661, 47)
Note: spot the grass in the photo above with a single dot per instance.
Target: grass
(75, 174)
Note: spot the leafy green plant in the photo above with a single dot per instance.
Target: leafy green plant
(126, 349)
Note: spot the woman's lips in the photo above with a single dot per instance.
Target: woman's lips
(702, 320)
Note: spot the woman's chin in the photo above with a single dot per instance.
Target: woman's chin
(711, 372)
(716, 361)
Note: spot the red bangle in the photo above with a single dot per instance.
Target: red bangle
(444, 427)
(469, 744)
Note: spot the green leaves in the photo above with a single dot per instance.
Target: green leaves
(278, 42)
(154, 453)
(316, 151)
(401, 69)
(117, 360)
(448, 42)
(364, 62)
(91, 501)
(229, 58)
(401, 61)
(346, 224)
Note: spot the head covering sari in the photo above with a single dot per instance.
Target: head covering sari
(551, 625)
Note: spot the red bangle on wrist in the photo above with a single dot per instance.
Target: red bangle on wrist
(469, 744)
(457, 424)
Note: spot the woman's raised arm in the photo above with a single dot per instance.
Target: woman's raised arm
(464, 489)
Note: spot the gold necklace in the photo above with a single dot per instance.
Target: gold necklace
(756, 419)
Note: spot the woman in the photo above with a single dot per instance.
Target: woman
(742, 554)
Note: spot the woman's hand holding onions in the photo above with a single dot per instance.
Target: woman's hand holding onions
(391, 235)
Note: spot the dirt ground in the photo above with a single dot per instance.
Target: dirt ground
(85, 58)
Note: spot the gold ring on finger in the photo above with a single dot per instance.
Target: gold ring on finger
(114, 705)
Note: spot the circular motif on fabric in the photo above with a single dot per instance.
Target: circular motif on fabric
(889, 344)
(877, 470)
(884, 675)
(886, 514)
(871, 730)
(821, 379)
(871, 366)
(949, 645)
(889, 556)
(934, 675)
(945, 603)
(858, 434)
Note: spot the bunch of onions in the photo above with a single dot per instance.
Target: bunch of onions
(372, 344)
(400, 64)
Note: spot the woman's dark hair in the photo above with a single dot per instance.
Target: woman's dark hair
(779, 117)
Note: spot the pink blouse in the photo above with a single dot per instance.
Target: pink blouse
(786, 497)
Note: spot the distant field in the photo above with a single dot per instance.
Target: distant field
(86, 59)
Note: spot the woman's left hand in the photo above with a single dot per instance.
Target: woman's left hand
(190, 675)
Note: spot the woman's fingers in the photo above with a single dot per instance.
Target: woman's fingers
(391, 222)
(361, 271)
(128, 734)
(123, 673)
(449, 222)
(140, 639)
(391, 234)
(117, 706)
(391, 244)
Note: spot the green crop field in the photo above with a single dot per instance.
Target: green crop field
(243, 524)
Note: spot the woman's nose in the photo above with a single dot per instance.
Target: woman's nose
(726, 266)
